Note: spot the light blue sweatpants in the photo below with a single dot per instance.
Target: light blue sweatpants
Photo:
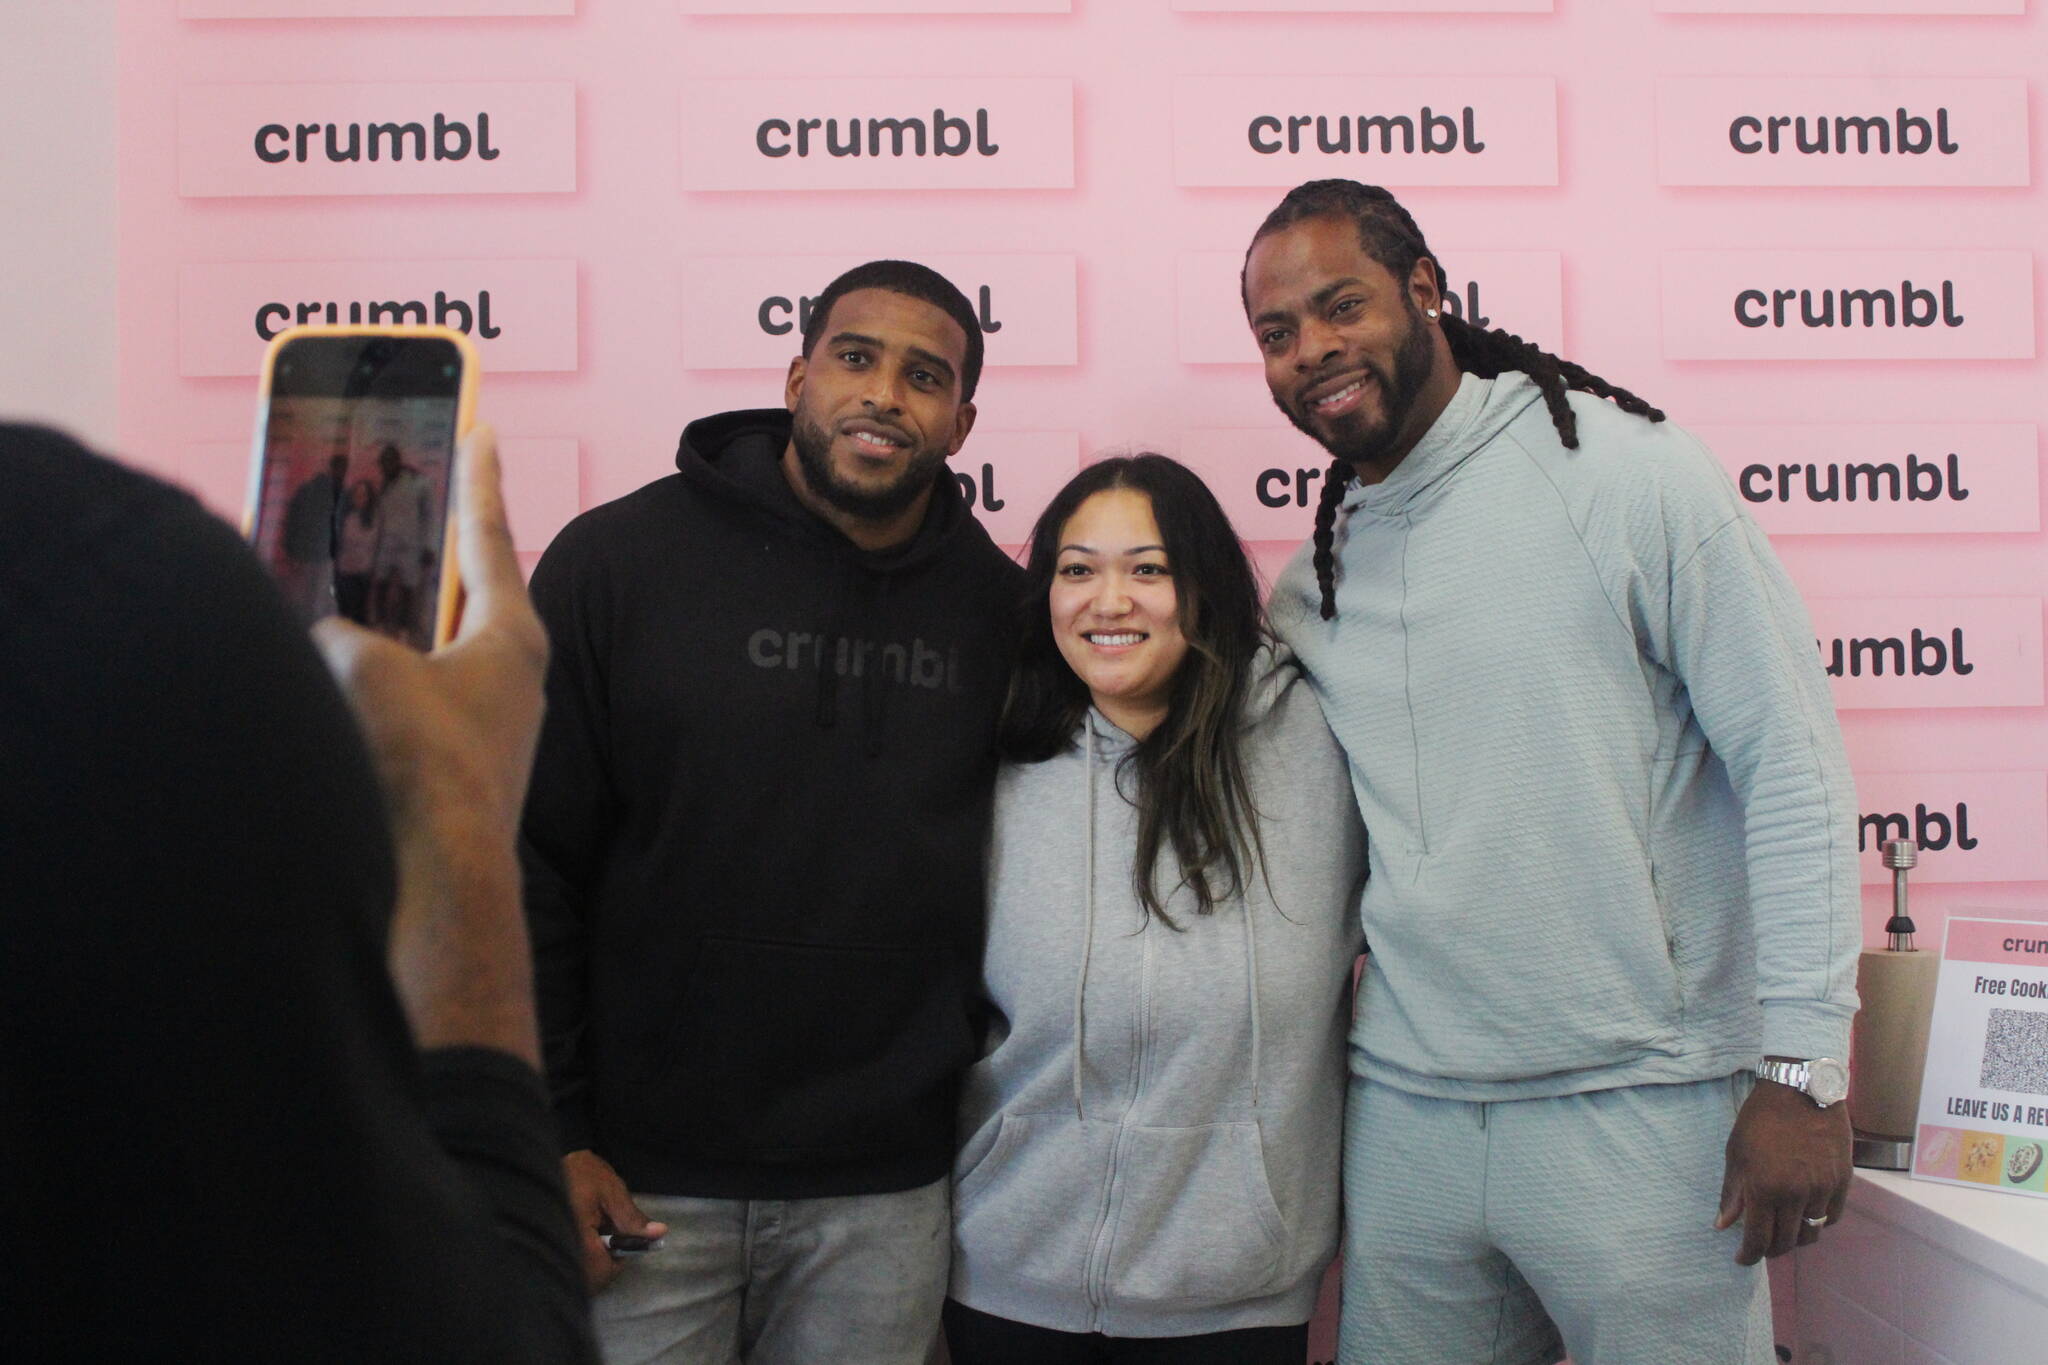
(1508, 1233)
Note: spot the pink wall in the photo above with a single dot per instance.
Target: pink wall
(632, 229)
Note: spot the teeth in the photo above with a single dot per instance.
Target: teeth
(1331, 400)
(1127, 638)
(873, 440)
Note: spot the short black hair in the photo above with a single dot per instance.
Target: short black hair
(912, 280)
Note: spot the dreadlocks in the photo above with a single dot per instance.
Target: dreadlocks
(1391, 237)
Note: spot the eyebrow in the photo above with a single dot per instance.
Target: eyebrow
(917, 353)
(1134, 550)
(1319, 299)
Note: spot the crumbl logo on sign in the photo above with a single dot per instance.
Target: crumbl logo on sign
(748, 312)
(1268, 479)
(1365, 6)
(950, 133)
(877, 6)
(1971, 827)
(1841, 131)
(521, 314)
(369, 9)
(1007, 477)
(1521, 291)
(454, 138)
(1953, 651)
(1842, 6)
(1848, 305)
(1389, 130)
(1869, 479)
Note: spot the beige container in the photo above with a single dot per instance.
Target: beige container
(1888, 1046)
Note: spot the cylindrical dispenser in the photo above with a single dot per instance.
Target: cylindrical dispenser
(1888, 1047)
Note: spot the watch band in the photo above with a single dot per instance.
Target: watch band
(1821, 1079)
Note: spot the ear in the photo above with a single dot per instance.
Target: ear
(793, 384)
(1422, 287)
(963, 422)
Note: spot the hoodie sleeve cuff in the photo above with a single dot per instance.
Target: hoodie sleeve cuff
(1806, 1029)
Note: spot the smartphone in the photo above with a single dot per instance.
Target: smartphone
(351, 480)
(626, 1244)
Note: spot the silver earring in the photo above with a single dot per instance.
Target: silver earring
(1430, 312)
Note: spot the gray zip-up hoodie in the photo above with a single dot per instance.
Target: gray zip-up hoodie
(1614, 835)
(1150, 1145)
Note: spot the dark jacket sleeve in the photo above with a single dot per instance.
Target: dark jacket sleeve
(570, 816)
(203, 1057)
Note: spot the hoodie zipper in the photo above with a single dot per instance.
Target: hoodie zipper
(1096, 1282)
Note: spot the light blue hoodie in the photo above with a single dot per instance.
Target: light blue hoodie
(1151, 1143)
(1613, 831)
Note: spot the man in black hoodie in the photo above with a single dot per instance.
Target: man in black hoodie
(753, 848)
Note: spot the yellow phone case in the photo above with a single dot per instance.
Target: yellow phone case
(448, 598)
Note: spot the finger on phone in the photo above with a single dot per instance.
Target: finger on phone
(490, 566)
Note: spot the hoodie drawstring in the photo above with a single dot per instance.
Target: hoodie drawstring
(1088, 921)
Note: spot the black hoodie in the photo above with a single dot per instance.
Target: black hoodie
(755, 836)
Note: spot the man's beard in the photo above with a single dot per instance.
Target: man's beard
(1371, 445)
(814, 455)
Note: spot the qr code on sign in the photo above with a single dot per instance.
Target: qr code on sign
(2016, 1052)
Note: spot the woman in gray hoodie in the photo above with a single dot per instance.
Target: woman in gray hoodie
(1150, 1159)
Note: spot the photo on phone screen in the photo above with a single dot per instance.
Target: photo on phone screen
(357, 457)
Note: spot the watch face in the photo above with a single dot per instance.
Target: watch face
(1827, 1081)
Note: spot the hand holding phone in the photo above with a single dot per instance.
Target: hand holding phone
(351, 491)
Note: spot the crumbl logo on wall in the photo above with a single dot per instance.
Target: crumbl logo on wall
(1952, 651)
(1848, 305)
(1521, 291)
(1971, 827)
(521, 314)
(1842, 6)
(748, 312)
(1007, 477)
(1268, 479)
(454, 138)
(952, 133)
(1388, 130)
(877, 6)
(369, 9)
(1841, 131)
(1870, 479)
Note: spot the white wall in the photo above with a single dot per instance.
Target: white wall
(57, 319)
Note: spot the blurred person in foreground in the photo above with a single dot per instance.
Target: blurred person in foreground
(269, 1053)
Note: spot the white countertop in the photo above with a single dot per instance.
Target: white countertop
(2001, 1234)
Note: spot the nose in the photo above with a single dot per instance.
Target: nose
(1319, 342)
(883, 392)
(1112, 596)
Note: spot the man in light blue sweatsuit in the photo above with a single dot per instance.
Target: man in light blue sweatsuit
(1613, 908)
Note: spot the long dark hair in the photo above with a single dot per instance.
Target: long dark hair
(1390, 236)
(1189, 773)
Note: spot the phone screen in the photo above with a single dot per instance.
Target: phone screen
(358, 453)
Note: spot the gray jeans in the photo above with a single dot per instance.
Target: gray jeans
(856, 1280)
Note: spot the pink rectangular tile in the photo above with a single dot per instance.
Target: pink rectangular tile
(939, 133)
(482, 137)
(1971, 827)
(1924, 652)
(1391, 130)
(521, 314)
(369, 9)
(1884, 479)
(1848, 305)
(1841, 130)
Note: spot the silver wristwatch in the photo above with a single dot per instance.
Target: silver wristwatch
(1824, 1080)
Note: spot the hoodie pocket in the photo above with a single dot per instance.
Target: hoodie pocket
(1031, 1205)
(1197, 1222)
(797, 1052)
